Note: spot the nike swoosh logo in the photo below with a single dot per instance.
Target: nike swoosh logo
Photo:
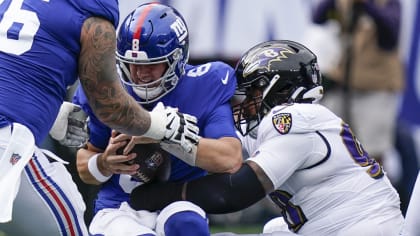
(225, 80)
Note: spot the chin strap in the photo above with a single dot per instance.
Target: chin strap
(314, 94)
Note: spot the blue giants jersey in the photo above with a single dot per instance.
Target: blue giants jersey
(205, 92)
(39, 50)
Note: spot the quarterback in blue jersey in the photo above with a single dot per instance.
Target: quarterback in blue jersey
(152, 54)
(45, 46)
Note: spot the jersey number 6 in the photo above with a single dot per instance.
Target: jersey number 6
(17, 28)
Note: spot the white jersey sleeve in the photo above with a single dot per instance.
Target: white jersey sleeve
(318, 166)
(287, 141)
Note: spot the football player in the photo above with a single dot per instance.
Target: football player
(305, 158)
(44, 47)
(152, 55)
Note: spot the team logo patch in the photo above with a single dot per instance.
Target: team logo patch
(282, 122)
(14, 158)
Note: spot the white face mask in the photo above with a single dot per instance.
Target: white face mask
(253, 133)
(152, 91)
(148, 93)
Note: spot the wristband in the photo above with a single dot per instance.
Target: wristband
(178, 151)
(157, 125)
(94, 171)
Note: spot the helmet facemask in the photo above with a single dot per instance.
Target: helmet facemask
(154, 90)
(249, 113)
(245, 121)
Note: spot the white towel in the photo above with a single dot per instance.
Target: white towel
(17, 154)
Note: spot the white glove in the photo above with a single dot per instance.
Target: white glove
(70, 126)
(178, 132)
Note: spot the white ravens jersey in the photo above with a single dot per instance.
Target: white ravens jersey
(324, 179)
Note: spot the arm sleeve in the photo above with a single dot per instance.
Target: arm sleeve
(216, 193)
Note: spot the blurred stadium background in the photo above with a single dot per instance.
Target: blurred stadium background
(222, 30)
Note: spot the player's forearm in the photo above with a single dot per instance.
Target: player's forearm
(216, 193)
(122, 113)
(222, 155)
(83, 156)
(98, 77)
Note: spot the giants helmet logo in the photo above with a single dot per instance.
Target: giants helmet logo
(180, 29)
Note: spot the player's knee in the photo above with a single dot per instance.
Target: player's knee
(276, 224)
(182, 218)
(186, 223)
(116, 223)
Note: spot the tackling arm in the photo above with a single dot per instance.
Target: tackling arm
(216, 193)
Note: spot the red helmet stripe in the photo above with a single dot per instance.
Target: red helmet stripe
(143, 16)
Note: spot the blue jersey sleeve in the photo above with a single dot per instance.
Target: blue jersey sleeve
(220, 123)
(39, 54)
(221, 83)
(107, 9)
(219, 90)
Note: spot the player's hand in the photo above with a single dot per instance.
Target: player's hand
(181, 129)
(181, 137)
(133, 141)
(173, 127)
(153, 162)
(70, 127)
(111, 163)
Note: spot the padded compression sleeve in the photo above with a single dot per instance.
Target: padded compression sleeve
(216, 193)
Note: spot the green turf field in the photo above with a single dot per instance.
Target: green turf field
(239, 229)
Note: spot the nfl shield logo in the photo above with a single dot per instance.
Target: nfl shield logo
(14, 158)
(282, 122)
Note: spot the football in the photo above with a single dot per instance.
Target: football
(154, 162)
